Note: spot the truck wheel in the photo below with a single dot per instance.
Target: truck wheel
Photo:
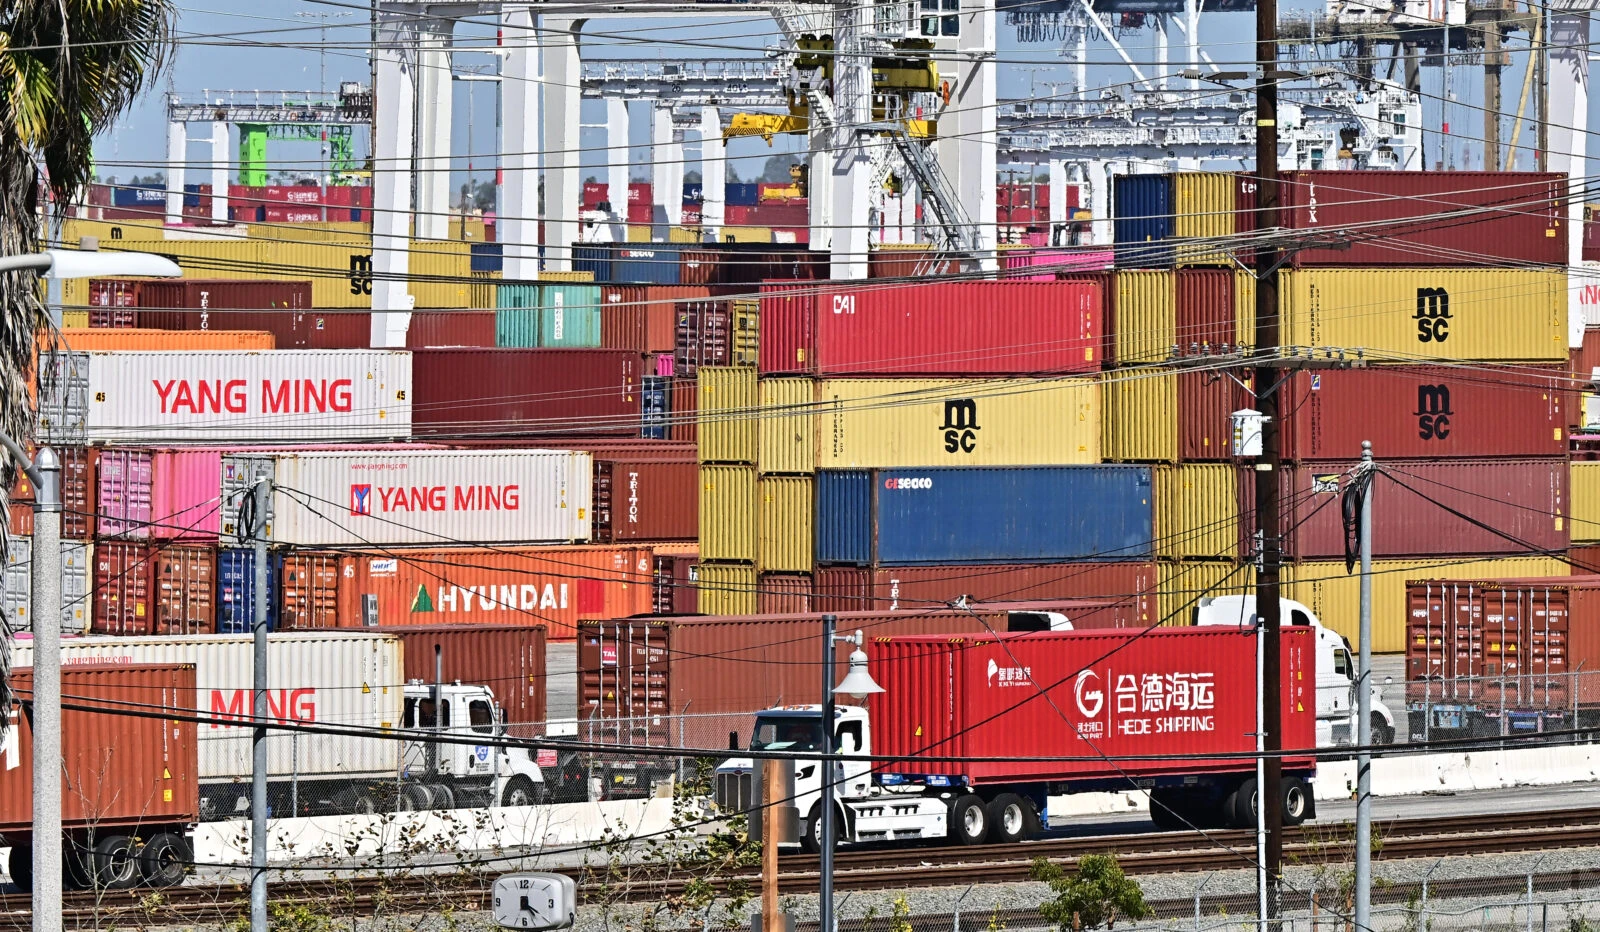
(1381, 732)
(521, 791)
(1296, 801)
(1244, 805)
(969, 820)
(1008, 818)
(443, 796)
(164, 860)
(1164, 812)
(21, 866)
(115, 862)
(416, 797)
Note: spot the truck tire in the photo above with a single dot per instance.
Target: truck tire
(520, 791)
(1244, 804)
(444, 797)
(1166, 812)
(1382, 733)
(164, 860)
(812, 831)
(114, 863)
(969, 820)
(20, 864)
(1296, 800)
(1009, 819)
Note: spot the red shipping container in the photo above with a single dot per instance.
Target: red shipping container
(305, 194)
(630, 449)
(310, 591)
(919, 588)
(509, 659)
(184, 580)
(80, 476)
(1205, 309)
(684, 421)
(525, 392)
(280, 213)
(702, 336)
(639, 192)
(1583, 561)
(646, 500)
(691, 214)
(122, 603)
(594, 193)
(107, 299)
(674, 587)
(940, 328)
(698, 266)
(745, 266)
(1394, 218)
(1524, 501)
(145, 770)
(783, 594)
(282, 308)
(1206, 402)
(450, 328)
(643, 318)
(906, 263)
(779, 214)
(738, 215)
(965, 699)
(20, 519)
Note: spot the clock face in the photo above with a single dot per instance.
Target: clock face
(535, 901)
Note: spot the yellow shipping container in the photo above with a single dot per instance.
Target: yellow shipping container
(1398, 315)
(887, 423)
(728, 513)
(788, 514)
(1203, 207)
(1145, 322)
(76, 320)
(685, 235)
(1197, 511)
(1335, 595)
(786, 426)
(566, 276)
(109, 231)
(747, 234)
(482, 294)
(1141, 416)
(726, 590)
(75, 294)
(1244, 308)
(1179, 586)
(639, 233)
(746, 332)
(440, 273)
(1585, 503)
(727, 431)
(351, 234)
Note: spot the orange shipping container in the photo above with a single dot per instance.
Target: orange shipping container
(98, 340)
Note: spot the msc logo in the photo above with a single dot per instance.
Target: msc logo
(1091, 698)
(1433, 315)
(361, 499)
(960, 425)
(905, 484)
(1433, 412)
(361, 274)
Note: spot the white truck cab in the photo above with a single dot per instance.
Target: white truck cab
(1336, 668)
(442, 776)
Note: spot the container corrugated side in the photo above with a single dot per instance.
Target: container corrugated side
(1141, 416)
(1244, 308)
(1180, 585)
(1585, 502)
(783, 593)
(645, 500)
(569, 315)
(1145, 323)
(516, 315)
(729, 513)
(1410, 315)
(467, 393)
(184, 584)
(728, 411)
(726, 589)
(787, 517)
(1141, 209)
(1203, 208)
(1205, 311)
(431, 496)
(1197, 511)
(919, 588)
(91, 340)
(1206, 402)
(509, 659)
(788, 328)
(17, 591)
(844, 516)
(884, 423)
(786, 438)
(1335, 595)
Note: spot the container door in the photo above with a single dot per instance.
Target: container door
(64, 398)
(239, 477)
(75, 571)
(18, 585)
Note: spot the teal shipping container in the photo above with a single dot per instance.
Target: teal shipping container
(516, 316)
(550, 315)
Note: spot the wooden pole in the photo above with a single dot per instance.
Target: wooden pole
(771, 799)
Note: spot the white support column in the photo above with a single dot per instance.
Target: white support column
(563, 77)
(1163, 55)
(518, 225)
(1569, 131)
(1191, 39)
(1099, 183)
(666, 173)
(1081, 61)
(852, 163)
(177, 155)
(435, 97)
(713, 174)
(393, 139)
(1058, 195)
(618, 153)
(819, 169)
(219, 171)
(976, 108)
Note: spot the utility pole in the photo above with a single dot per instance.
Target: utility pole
(258, 745)
(1364, 707)
(46, 573)
(1267, 465)
(772, 787)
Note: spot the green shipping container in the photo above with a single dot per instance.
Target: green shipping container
(556, 315)
(516, 316)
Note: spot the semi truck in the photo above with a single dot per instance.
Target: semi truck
(354, 679)
(973, 734)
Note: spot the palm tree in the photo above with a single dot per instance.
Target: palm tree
(68, 69)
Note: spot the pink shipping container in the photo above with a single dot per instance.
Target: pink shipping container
(939, 328)
(919, 588)
(485, 393)
(1045, 261)
(160, 494)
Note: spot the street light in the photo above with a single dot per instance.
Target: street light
(45, 570)
(858, 684)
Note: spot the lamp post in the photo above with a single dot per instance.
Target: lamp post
(858, 684)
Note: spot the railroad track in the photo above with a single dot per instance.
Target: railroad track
(1147, 853)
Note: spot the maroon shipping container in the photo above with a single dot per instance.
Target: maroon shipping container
(643, 318)
(1584, 561)
(783, 594)
(1395, 218)
(918, 588)
(129, 774)
(939, 328)
(632, 449)
(122, 603)
(646, 500)
(524, 392)
(450, 328)
(906, 263)
(509, 659)
(697, 266)
(1523, 501)
(184, 580)
(282, 308)
(702, 336)
(1591, 235)
(1206, 402)
(745, 266)
(79, 486)
(310, 592)
(684, 423)
(1160, 701)
(1204, 309)
(112, 302)
(19, 519)
(674, 591)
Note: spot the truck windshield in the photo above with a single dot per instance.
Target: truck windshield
(787, 733)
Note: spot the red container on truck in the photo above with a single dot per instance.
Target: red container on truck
(509, 659)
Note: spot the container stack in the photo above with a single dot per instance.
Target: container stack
(730, 511)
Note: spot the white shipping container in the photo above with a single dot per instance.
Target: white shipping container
(16, 587)
(330, 677)
(318, 396)
(324, 499)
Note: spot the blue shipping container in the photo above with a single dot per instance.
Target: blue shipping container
(1141, 212)
(486, 257)
(650, 263)
(693, 191)
(593, 258)
(844, 516)
(142, 196)
(955, 515)
(743, 195)
(656, 407)
(236, 589)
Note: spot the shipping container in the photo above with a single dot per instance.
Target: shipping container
(1140, 424)
(282, 308)
(1205, 405)
(1179, 586)
(1585, 479)
(1198, 512)
(236, 590)
(726, 588)
(551, 315)
(645, 501)
(643, 318)
(728, 413)
(786, 515)
(450, 328)
(159, 494)
(783, 594)
(509, 659)
(885, 423)
(184, 584)
(1203, 209)
(1024, 263)
(1032, 327)
(80, 478)
(703, 336)
(655, 404)
(907, 260)
(920, 588)
(1334, 593)
(112, 301)
(673, 584)
(17, 591)
(309, 584)
(122, 597)
(653, 263)
(525, 392)
(126, 774)
(729, 516)
(685, 419)
(786, 426)
(944, 693)
(256, 396)
(1412, 315)
(1205, 311)
(939, 515)
(1145, 318)
(1141, 210)
(132, 340)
